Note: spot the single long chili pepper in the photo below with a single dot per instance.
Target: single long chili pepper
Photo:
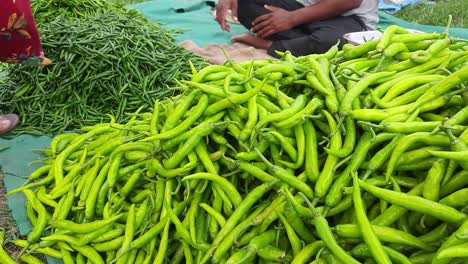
(316, 84)
(128, 235)
(386, 37)
(112, 174)
(349, 141)
(363, 250)
(241, 256)
(325, 178)
(453, 80)
(196, 112)
(90, 253)
(90, 201)
(457, 119)
(410, 157)
(295, 220)
(435, 234)
(297, 106)
(457, 182)
(273, 92)
(233, 100)
(208, 70)
(432, 183)
(255, 244)
(409, 140)
(278, 139)
(42, 217)
(3, 254)
(65, 138)
(294, 239)
(255, 171)
(287, 177)
(323, 72)
(368, 233)
(272, 253)
(267, 104)
(76, 143)
(394, 212)
(308, 252)
(410, 38)
(213, 213)
(456, 199)
(326, 235)
(415, 203)
(155, 167)
(456, 155)
(227, 243)
(171, 143)
(222, 182)
(358, 88)
(422, 258)
(385, 234)
(410, 82)
(85, 227)
(67, 205)
(361, 50)
(192, 212)
(251, 198)
(174, 160)
(299, 117)
(111, 144)
(300, 144)
(415, 126)
(452, 240)
(154, 119)
(457, 251)
(311, 152)
(393, 49)
(267, 69)
(38, 173)
(181, 107)
(365, 143)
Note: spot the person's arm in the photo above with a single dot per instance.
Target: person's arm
(323, 10)
(221, 9)
(280, 20)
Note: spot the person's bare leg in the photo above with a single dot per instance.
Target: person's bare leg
(252, 40)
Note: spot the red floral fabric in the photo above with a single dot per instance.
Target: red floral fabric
(19, 38)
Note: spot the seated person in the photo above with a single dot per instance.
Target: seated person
(312, 27)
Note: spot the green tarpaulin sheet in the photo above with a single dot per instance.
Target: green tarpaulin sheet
(199, 26)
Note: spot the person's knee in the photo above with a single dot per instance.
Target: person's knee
(245, 12)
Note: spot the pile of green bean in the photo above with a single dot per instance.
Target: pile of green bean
(352, 156)
(107, 63)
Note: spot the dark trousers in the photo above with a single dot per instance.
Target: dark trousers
(315, 37)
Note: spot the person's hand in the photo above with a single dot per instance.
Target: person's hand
(278, 20)
(221, 11)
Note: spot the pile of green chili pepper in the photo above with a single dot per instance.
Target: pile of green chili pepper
(353, 156)
(47, 10)
(107, 63)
